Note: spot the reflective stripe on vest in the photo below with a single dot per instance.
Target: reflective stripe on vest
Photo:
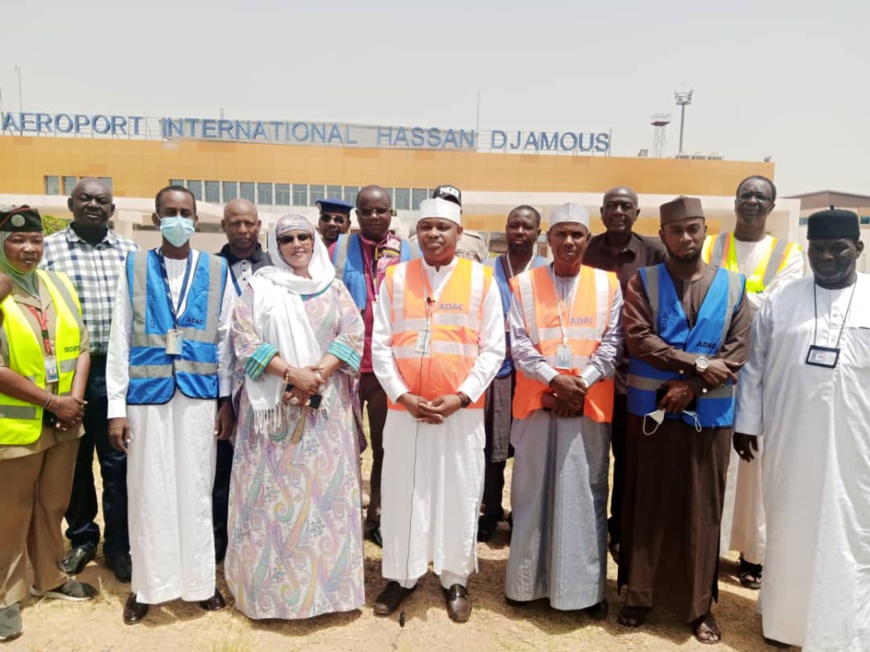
(720, 250)
(453, 320)
(589, 319)
(716, 407)
(20, 421)
(154, 374)
(348, 265)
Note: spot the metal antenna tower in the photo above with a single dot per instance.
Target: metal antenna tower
(684, 98)
(660, 121)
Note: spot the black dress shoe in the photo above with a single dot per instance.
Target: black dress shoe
(374, 535)
(134, 611)
(214, 603)
(74, 561)
(458, 603)
(391, 597)
(598, 611)
(121, 566)
(486, 527)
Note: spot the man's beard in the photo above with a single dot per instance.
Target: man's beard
(520, 248)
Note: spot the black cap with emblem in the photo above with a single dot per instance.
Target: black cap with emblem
(20, 218)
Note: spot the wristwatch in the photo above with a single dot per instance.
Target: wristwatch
(463, 399)
(701, 364)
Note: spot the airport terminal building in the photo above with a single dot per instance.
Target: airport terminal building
(286, 166)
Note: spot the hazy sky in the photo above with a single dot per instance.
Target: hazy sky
(790, 79)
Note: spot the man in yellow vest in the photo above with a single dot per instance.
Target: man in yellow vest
(437, 343)
(768, 263)
(566, 334)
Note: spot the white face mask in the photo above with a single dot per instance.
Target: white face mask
(658, 416)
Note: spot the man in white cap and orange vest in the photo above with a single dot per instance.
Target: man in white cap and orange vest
(566, 334)
(437, 343)
(768, 263)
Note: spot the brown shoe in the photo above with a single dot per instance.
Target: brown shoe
(214, 603)
(134, 611)
(391, 597)
(458, 603)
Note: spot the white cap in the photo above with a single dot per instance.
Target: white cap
(441, 208)
(569, 213)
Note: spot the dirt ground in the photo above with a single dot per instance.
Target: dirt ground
(97, 626)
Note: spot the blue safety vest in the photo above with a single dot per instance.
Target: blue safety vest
(347, 259)
(716, 407)
(154, 374)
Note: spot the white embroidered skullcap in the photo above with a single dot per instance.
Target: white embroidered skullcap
(573, 213)
(442, 208)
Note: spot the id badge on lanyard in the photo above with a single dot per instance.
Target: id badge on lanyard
(51, 373)
(563, 357)
(823, 356)
(174, 341)
(175, 336)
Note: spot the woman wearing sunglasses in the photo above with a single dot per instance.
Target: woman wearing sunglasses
(295, 524)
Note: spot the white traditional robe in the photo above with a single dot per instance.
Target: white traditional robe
(743, 527)
(170, 462)
(559, 485)
(432, 482)
(816, 466)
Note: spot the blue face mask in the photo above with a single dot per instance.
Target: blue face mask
(177, 230)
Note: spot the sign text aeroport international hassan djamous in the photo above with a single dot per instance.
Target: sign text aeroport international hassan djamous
(301, 133)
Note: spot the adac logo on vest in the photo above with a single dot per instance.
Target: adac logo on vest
(451, 307)
(192, 320)
(580, 321)
(711, 346)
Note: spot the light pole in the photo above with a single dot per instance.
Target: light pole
(684, 98)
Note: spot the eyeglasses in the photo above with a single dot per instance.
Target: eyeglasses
(287, 239)
(380, 212)
(752, 194)
(338, 219)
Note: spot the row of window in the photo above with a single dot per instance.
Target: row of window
(54, 184)
(865, 220)
(295, 194)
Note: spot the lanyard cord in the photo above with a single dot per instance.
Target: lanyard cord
(561, 303)
(172, 307)
(845, 317)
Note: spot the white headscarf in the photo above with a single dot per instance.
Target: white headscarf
(280, 318)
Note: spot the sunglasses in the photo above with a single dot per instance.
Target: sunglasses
(751, 194)
(287, 239)
(380, 212)
(337, 219)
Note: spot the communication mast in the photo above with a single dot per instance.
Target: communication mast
(683, 98)
(660, 121)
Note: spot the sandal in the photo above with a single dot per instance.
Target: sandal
(632, 616)
(706, 630)
(750, 574)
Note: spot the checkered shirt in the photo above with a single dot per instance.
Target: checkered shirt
(94, 272)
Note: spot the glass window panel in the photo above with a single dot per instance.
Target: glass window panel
(282, 194)
(68, 184)
(350, 193)
(315, 193)
(176, 182)
(52, 185)
(300, 194)
(417, 196)
(247, 190)
(333, 192)
(195, 186)
(402, 199)
(231, 190)
(264, 193)
(213, 192)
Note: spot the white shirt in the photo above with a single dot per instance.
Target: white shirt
(120, 338)
(491, 342)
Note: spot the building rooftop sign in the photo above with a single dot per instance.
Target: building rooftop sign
(285, 132)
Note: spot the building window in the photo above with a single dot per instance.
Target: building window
(300, 194)
(264, 193)
(333, 192)
(247, 191)
(315, 193)
(865, 219)
(107, 181)
(52, 185)
(402, 199)
(195, 186)
(803, 221)
(230, 190)
(417, 196)
(177, 182)
(282, 194)
(213, 192)
(350, 193)
(68, 184)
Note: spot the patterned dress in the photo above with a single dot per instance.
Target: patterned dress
(295, 520)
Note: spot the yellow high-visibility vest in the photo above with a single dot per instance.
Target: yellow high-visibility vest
(720, 250)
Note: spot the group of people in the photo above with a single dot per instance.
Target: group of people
(225, 397)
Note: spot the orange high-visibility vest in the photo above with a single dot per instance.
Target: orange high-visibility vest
(589, 318)
(452, 322)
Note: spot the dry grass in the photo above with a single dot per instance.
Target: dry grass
(97, 626)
